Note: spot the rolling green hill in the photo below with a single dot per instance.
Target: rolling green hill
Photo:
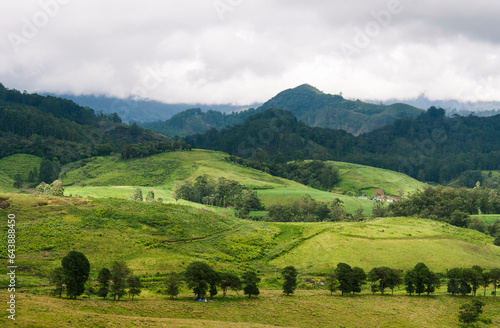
(113, 177)
(363, 180)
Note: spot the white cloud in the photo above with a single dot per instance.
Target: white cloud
(191, 51)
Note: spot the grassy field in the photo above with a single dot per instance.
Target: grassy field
(270, 309)
(363, 180)
(154, 237)
(488, 218)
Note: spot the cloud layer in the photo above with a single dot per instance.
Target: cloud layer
(242, 51)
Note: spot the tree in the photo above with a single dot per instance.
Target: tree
(58, 278)
(76, 268)
(200, 277)
(173, 283)
(379, 277)
(134, 286)
(495, 279)
(250, 282)
(46, 172)
(103, 278)
(137, 194)
(331, 282)
(469, 312)
(409, 281)
(42, 189)
(33, 175)
(119, 274)
(476, 278)
(395, 279)
(343, 273)
(358, 278)
(289, 275)
(422, 278)
(18, 181)
(229, 280)
(454, 276)
(150, 197)
(57, 188)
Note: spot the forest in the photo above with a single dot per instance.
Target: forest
(432, 147)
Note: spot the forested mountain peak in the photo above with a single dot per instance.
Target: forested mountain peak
(319, 109)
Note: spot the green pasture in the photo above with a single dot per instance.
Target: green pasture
(363, 180)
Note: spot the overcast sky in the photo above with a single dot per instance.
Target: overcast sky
(246, 51)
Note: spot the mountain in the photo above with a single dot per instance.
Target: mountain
(318, 109)
(194, 120)
(141, 110)
(478, 108)
(431, 147)
(61, 130)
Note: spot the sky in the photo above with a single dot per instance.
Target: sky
(246, 51)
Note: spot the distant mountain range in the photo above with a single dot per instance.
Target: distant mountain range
(480, 108)
(143, 110)
(313, 107)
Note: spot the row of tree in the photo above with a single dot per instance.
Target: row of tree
(316, 174)
(73, 274)
(306, 209)
(417, 280)
(146, 149)
(222, 193)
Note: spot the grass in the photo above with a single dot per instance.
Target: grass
(270, 309)
(363, 180)
(393, 242)
(154, 237)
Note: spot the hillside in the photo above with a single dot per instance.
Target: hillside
(61, 130)
(364, 180)
(111, 176)
(154, 237)
(318, 109)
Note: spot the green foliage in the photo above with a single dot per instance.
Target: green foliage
(421, 280)
(119, 275)
(223, 193)
(469, 312)
(316, 174)
(134, 286)
(152, 148)
(58, 279)
(201, 278)
(76, 268)
(381, 278)
(250, 281)
(137, 194)
(150, 197)
(18, 181)
(331, 282)
(450, 205)
(173, 283)
(104, 278)
(289, 275)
